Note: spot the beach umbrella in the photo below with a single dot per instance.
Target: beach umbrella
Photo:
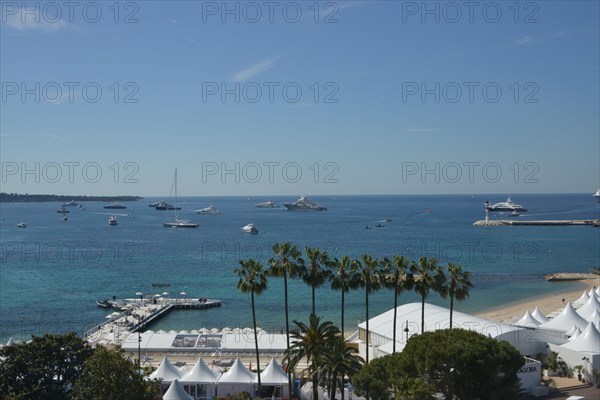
(165, 293)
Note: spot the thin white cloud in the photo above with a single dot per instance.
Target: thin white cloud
(33, 20)
(255, 69)
(527, 41)
(174, 21)
(560, 33)
(421, 130)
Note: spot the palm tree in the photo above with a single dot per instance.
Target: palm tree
(397, 277)
(427, 276)
(283, 266)
(337, 361)
(310, 341)
(343, 278)
(253, 280)
(459, 283)
(368, 278)
(314, 275)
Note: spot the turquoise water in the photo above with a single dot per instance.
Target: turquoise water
(52, 272)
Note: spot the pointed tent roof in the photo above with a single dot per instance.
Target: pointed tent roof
(595, 317)
(589, 307)
(583, 298)
(598, 291)
(166, 371)
(588, 341)
(176, 392)
(538, 315)
(10, 342)
(527, 320)
(592, 292)
(571, 331)
(273, 375)
(565, 320)
(575, 334)
(201, 373)
(237, 374)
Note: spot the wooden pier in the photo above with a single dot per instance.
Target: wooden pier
(566, 222)
(135, 315)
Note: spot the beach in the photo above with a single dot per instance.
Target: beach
(547, 304)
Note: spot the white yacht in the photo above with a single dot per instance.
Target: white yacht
(250, 228)
(21, 225)
(178, 223)
(304, 204)
(210, 210)
(267, 204)
(71, 203)
(507, 206)
(597, 195)
(112, 220)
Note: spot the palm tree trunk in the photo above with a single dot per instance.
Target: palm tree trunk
(422, 314)
(256, 345)
(342, 327)
(332, 388)
(314, 382)
(342, 386)
(287, 330)
(451, 307)
(367, 319)
(313, 300)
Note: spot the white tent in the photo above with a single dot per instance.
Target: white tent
(572, 331)
(565, 320)
(236, 380)
(595, 317)
(527, 321)
(589, 307)
(274, 376)
(583, 298)
(176, 392)
(538, 315)
(588, 341)
(575, 334)
(598, 291)
(200, 381)
(167, 373)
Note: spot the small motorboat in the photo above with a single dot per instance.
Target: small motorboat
(22, 225)
(62, 210)
(267, 204)
(112, 220)
(250, 228)
(210, 210)
(103, 303)
(115, 205)
(515, 213)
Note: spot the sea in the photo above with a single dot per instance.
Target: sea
(53, 271)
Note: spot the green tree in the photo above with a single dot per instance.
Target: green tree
(395, 276)
(462, 363)
(107, 375)
(343, 278)
(336, 361)
(459, 284)
(427, 276)
(309, 342)
(254, 281)
(368, 278)
(44, 368)
(314, 274)
(285, 265)
(374, 378)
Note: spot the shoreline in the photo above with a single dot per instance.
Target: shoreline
(547, 303)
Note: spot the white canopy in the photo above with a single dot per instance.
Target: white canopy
(538, 315)
(565, 320)
(575, 334)
(528, 320)
(273, 375)
(583, 298)
(237, 374)
(572, 331)
(595, 317)
(201, 373)
(598, 291)
(176, 392)
(589, 307)
(588, 341)
(166, 371)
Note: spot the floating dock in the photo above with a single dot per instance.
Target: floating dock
(566, 222)
(135, 315)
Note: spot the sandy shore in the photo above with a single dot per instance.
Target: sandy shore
(547, 304)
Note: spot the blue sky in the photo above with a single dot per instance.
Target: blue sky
(501, 98)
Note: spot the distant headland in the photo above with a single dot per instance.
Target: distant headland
(30, 198)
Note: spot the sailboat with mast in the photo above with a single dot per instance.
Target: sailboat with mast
(179, 223)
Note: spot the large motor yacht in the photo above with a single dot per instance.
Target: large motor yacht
(506, 206)
(250, 228)
(267, 204)
(304, 204)
(210, 210)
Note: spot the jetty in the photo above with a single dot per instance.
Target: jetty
(571, 276)
(565, 222)
(135, 315)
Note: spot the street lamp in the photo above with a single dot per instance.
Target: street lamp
(406, 331)
(139, 349)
